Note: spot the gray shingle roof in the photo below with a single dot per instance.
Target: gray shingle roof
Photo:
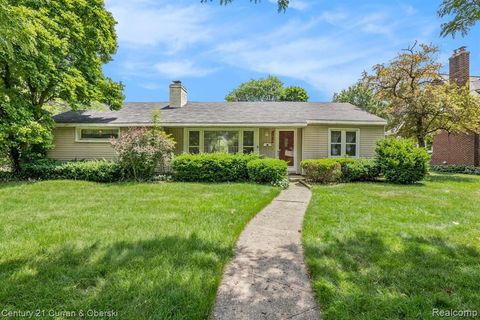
(224, 113)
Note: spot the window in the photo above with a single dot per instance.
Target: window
(336, 143)
(194, 142)
(343, 143)
(351, 143)
(99, 134)
(221, 141)
(248, 142)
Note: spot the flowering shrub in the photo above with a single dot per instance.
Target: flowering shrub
(143, 151)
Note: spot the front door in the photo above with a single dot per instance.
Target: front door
(286, 141)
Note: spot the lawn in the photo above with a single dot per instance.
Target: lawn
(380, 251)
(145, 251)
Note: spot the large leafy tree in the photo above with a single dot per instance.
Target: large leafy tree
(465, 14)
(362, 96)
(294, 93)
(420, 103)
(282, 4)
(66, 44)
(266, 89)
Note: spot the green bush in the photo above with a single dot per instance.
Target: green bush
(97, 171)
(143, 152)
(44, 169)
(268, 171)
(360, 170)
(456, 169)
(322, 170)
(401, 161)
(212, 167)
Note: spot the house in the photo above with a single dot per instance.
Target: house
(458, 148)
(292, 131)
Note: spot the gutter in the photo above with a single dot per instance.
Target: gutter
(242, 125)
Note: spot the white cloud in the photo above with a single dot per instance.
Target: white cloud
(146, 23)
(181, 68)
(330, 61)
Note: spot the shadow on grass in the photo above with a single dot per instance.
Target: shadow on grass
(364, 277)
(166, 278)
(449, 177)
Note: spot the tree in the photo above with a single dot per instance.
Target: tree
(420, 103)
(465, 13)
(68, 42)
(267, 89)
(362, 96)
(294, 93)
(282, 4)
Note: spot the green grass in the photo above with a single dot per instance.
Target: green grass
(381, 251)
(147, 251)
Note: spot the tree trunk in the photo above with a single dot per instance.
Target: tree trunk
(421, 142)
(15, 158)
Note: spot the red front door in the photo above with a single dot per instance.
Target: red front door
(286, 146)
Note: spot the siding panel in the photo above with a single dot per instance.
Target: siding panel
(268, 152)
(177, 134)
(316, 140)
(67, 149)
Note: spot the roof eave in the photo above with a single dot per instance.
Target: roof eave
(237, 124)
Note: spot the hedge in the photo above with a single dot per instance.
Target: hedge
(97, 171)
(401, 161)
(268, 171)
(332, 170)
(360, 170)
(456, 169)
(212, 167)
(322, 170)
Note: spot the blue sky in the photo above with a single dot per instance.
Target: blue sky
(320, 45)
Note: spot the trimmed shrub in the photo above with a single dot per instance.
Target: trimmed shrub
(44, 169)
(456, 169)
(212, 167)
(401, 161)
(97, 171)
(322, 170)
(268, 171)
(360, 170)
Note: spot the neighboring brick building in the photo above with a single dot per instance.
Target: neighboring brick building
(458, 148)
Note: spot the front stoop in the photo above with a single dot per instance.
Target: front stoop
(268, 279)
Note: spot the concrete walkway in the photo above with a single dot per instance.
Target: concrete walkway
(267, 279)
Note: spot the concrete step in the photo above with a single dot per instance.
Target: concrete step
(295, 178)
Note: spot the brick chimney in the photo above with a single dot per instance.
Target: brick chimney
(178, 94)
(460, 67)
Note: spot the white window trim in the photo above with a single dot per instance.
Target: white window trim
(344, 142)
(256, 137)
(78, 134)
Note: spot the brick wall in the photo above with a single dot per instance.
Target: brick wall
(456, 148)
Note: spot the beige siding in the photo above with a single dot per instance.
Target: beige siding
(368, 140)
(177, 134)
(67, 149)
(268, 152)
(315, 140)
